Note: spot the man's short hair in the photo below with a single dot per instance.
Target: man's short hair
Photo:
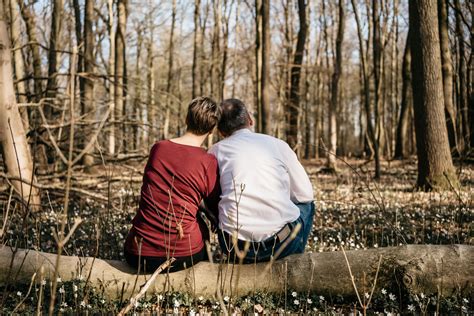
(203, 115)
(234, 116)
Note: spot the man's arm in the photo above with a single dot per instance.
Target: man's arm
(301, 189)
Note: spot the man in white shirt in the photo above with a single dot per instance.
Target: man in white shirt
(266, 193)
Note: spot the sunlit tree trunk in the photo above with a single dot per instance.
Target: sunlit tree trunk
(111, 76)
(19, 62)
(435, 167)
(15, 149)
(402, 128)
(120, 74)
(196, 52)
(447, 68)
(87, 101)
(166, 124)
(333, 108)
(265, 70)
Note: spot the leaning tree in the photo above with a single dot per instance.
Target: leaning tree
(435, 165)
(14, 145)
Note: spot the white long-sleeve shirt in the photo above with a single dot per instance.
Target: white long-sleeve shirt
(261, 180)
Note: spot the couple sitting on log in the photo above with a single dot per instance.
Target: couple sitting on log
(252, 185)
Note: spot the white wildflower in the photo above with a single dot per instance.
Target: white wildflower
(43, 282)
(74, 288)
(392, 297)
(321, 298)
(411, 308)
(384, 291)
(176, 303)
(160, 297)
(310, 301)
(61, 290)
(296, 302)
(422, 295)
(83, 304)
(58, 280)
(19, 293)
(102, 301)
(294, 294)
(366, 295)
(465, 301)
(201, 298)
(226, 298)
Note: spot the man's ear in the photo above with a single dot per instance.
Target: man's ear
(251, 123)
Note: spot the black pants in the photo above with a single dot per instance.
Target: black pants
(150, 264)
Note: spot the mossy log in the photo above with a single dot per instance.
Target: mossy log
(413, 269)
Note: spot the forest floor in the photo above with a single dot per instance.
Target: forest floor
(352, 211)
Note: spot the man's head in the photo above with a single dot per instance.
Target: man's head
(203, 115)
(234, 116)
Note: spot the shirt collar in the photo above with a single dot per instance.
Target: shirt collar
(244, 130)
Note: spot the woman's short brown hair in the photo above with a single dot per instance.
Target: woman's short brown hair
(203, 115)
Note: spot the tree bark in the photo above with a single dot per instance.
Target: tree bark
(166, 124)
(120, 72)
(87, 100)
(377, 49)
(402, 128)
(265, 70)
(435, 166)
(294, 106)
(15, 148)
(331, 157)
(56, 19)
(196, 52)
(413, 269)
(447, 69)
(31, 27)
(462, 79)
(111, 76)
(19, 62)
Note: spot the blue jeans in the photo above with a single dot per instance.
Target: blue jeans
(264, 250)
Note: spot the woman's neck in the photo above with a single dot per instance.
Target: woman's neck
(190, 139)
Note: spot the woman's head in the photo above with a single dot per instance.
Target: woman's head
(203, 115)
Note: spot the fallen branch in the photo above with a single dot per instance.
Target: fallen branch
(413, 269)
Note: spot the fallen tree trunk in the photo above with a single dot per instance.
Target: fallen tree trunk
(411, 269)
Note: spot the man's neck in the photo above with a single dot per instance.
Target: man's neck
(190, 139)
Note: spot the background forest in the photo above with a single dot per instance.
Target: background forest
(375, 96)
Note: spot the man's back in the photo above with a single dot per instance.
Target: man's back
(261, 180)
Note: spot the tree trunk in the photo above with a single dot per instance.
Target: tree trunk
(402, 128)
(462, 78)
(120, 73)
(196, 52)
(31, 28)
(15, 148)
(405, 270)
(112, 78)
(435, 166)
(331, 157)
(87, 100)
(371, 139)
(377, 56)
(447, 68)
(56, 19)
(19, 62)
(294, 100)
(265, 70)
(166, 124)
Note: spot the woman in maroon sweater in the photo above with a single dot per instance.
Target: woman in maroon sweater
(178, 176)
